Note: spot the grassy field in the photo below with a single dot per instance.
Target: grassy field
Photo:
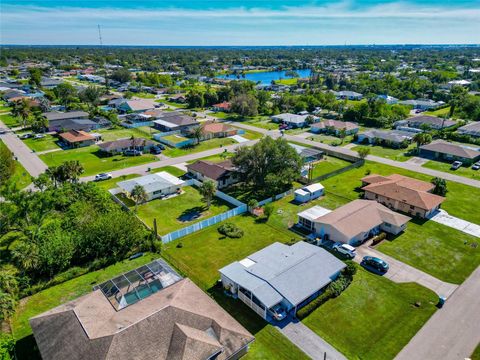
(290, 81)
(203, 253)
(56, 295)
(389, 153)
(9, 120)
(204, 145)
(463, 171)
(330, 139)
(327, 165)
(374, 318)
(179, 211)
(440, 112)
(20, 177)
(122, 133)
(441, 251)
(458, 201)
(94, 161)
(175, 138)
(48, 142)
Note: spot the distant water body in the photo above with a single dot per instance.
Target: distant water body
(266, 77)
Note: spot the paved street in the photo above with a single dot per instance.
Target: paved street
(400, 272)
(30, 161)
(442, 217)
(309, 342)
(453, 332)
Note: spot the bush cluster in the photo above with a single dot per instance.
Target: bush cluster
(230, 230)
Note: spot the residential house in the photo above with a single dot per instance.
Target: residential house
(334, 127)
(402, 193)
(293, 120)
(156, 185)
(148, 313)
(390, 100)
(217, 130)
(281, 275)
(178, 98)
(309, 192)
(308, 155)
(392, 138)
(174, 120)
(77, 138)
(223, 106)
(422, 104)
(433, 122)
(472, 129)
(71, 120)
(137, 105)
(348, 95)
(223, 173)
(442, 150)
(353, 223)
(119, 146)
(50, 83)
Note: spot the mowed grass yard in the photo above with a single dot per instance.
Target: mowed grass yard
(9, 120)
(21, 178)
(179, 211)
(123, 133)
(57, 295)
(203, 253)
(327, 165)
(389, 153)
(462, 171)
(93, 161)
(374, 318)
(48, 142)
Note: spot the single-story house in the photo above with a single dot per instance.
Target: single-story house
(293, 120)
(223, 106)
(402, 193)
(308, 154)
(393, 137)
(223, 173)
(472, 129)
(431, 121)
(178, 98)
(69, 115)
(119, 146)
(72, 124)
(390, 100)
(422, 104)
(334, 127)
(446, 151)
(281, 275)
(217, 130)
(50, 83)
(353, 223)
(137, 105)
(348, 95)
(174, 120)
(77, 138)
(155, 185)
(309, 192)
(148, 313)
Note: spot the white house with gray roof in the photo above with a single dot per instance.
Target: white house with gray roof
(289, 276)
(155, 185)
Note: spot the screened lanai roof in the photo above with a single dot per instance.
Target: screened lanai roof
(137, 284)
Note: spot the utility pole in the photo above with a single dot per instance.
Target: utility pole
(100, 35)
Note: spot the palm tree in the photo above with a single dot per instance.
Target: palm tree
(197, 133)
(208, 190)
(139, 195)
(342, 134)
(422, 139)
(22, 110)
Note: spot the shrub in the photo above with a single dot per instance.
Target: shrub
(7, 343)
(230, 230)
(378, 238)
(350, 270)
(268, 210)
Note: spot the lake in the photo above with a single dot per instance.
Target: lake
(266, 77)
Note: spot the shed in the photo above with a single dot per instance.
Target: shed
(309, 192)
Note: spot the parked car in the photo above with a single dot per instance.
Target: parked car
(155, 150)
(278, 312)
(103, 176)
(456, 165)
(39, 136)
(26, 136)
(132, 152)
(3, 131)
(160, 146)
(374, 264)
(476, 166)
(345, 250)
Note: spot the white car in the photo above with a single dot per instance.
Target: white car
(103, 176)
(345, 249)
(39, 136)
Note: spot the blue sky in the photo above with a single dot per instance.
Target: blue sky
(261, 22)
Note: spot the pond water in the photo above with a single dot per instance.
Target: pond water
(266, 77)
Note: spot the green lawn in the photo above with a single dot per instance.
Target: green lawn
(175, 138)
(122, 133)
(389, 153)
(20, 177)
(94, 161)
(374, 318)
(330, 139)
(48, 142)
(262, 122)
(459, 198)
(476, 353)
(57, 295)
(177, 212)
(204, 145)
(9, 120)
(201, 256)
(290, 81)
(251, 135)
(214, 158)
(440, 112)
(463, 171)
(439, 250)
(327, 165)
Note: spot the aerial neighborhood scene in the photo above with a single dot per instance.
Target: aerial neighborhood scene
(240, 180)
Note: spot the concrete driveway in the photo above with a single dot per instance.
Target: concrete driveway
(442, 217)
(400, 272)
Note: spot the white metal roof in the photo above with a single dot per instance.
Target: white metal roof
(313, 213)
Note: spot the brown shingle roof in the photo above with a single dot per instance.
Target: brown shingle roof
(335, 124)
(404, 189)
(178, 322)
(447, 148)
(124, 143)
(216, 128)
(74, 136)
(211, 169)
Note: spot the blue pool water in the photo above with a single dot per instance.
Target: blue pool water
(265, 78)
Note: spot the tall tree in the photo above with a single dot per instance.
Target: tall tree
(7, 164)
(440, 186)
(422, 139)
(208, 190)
(23, 110)
(65, 93)
(139, 195)
(197, 133)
